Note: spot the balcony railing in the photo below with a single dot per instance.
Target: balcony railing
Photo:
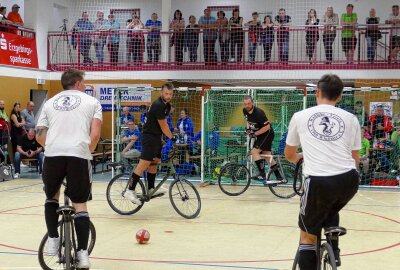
(18, 30)
(300, 47)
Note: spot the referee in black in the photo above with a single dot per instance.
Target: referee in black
(259, 126)
(155, 126)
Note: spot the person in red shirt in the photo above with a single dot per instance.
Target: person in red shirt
(380, 124)
(14, 16)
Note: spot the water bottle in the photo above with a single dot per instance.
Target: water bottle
(185, 138)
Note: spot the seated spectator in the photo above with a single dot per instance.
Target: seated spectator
(27, 115)
(192, 32)
(28, 147)
(14, 16)
(5, 128)
(83, 26)
(143, 118)
(394, 20)
(134, 40)
(396, 136)
(211, 145)
(185, 127)
(364, 151)
(125, 117)
(381, 126)
(113, 40)
(133, 139)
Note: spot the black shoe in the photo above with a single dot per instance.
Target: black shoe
(337, 257)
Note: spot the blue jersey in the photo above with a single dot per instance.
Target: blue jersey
(138, 143)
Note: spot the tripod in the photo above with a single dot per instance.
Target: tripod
(63, 37)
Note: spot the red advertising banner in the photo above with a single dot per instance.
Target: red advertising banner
(18, 51)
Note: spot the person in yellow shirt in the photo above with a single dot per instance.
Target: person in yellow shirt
(364, 152)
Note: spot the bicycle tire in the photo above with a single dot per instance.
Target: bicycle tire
(41, 252)
(183, 193)
(327, 257)
(119, 183)
(298, 178)
(234, 179)
(283, 190)
(296, 262)
(68, 246)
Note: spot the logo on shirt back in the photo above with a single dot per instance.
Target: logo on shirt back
(326, 126)
(66, 103)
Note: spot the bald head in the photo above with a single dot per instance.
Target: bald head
(30, 105)
(2, 104)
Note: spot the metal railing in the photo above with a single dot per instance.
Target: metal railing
(18, 30)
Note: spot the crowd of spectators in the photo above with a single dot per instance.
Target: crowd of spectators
(17, 136)
(230, 34)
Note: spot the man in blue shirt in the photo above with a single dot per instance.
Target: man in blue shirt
(133, 139)
(126, 116)
(113, 40)
(153, 39)
(212, 143)
(208, 24)
(82, 26)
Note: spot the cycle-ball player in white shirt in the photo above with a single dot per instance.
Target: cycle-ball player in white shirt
(330, 139)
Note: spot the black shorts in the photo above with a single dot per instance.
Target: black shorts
(77, 171)
(349, 44)
(264, 142)
(151, 147)
(395, 42)
(323, 198)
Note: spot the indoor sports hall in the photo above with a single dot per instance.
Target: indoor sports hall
(207, 210)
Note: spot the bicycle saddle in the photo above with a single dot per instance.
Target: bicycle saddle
(339, 231)
(115, 165)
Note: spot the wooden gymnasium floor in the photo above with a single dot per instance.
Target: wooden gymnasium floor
(252, 231)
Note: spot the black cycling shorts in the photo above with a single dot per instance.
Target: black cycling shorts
(323, 198)
(264, 141)
(78, 173)
(151, 147)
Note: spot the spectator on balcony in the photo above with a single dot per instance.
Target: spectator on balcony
(372, 34)
(312, 34)
(177, 25)
(14, 16)
(331, 20)
(101, 36)
(83, 26)
(192, 32)
(349, 40)
(267, 37)
(381, 126)
(208, 23)
(223, 36)
(3, 18)
(135, 40)
(394, 20)
(283, 21)
(113, 39)
(153, 39)
(254, 34)
(237, 36)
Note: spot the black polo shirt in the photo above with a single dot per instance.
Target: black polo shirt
(257, 119)
(158, 110)
(27, 144)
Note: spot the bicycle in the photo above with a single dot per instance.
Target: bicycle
(325, 255)
(66, 258)
(234, 178)
(298, 178)
(182, 193)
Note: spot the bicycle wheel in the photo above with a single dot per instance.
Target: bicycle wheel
(298, 178)
(327, 257)
(296, 262)
(234, 179)
(67, 245)
(185, 198)
(48, 262)
(115, 195)
(283, 189)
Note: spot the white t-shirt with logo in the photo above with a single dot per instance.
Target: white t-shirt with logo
(68, 117)
(327, 135)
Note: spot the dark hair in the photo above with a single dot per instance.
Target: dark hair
(235, 10)
(282, 9)
(70, 77)
(268, 16)
(168, 86)
(331, 86)
(254, 13)
(185, 110)
(395, 6)
(359, 102)
(315, 12)
(13, 111)
(177, 11)
(221, 12)
(247, 97)
(350, 5)
(2, 8)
